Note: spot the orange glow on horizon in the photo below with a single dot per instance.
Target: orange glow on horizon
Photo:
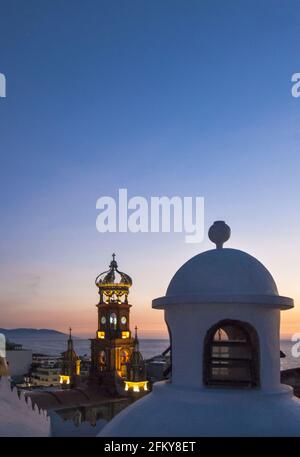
(69, 297)
(150, 322)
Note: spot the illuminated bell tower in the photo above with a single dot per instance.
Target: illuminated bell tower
(113, 345)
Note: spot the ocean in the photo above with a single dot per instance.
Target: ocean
(54, 345)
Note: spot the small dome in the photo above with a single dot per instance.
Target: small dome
(222, 271)
(223, 276)
(136, 358)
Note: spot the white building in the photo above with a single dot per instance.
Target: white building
(44, 359)
(45, 376)
(222, 309)
(19, 361)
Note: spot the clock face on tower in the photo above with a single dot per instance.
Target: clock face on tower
(103, 320)
(123, 320)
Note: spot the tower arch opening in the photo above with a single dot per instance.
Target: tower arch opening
(102, 360)
(124, 358)
(231, 356)
(113, 321)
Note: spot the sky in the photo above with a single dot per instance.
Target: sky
(163, 98)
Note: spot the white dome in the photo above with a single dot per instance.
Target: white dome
(222, 271)
(223, 276)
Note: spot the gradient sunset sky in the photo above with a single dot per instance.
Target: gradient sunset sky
(162, 97)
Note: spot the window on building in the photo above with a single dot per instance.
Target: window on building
(231, 355)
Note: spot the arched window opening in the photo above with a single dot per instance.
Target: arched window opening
(113, 321)
(102, 361)
(124, 358)
(231, 355)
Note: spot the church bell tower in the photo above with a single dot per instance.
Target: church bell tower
(70, 365)
(113, 345)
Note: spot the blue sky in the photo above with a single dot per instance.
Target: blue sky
(160, 97)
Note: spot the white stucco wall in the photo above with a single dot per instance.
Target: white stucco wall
(17, 417)
(190, 323)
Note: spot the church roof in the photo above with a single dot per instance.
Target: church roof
(61, 399)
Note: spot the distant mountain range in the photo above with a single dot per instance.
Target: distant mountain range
(19, 332)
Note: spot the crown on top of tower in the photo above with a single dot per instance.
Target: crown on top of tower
(113, 283)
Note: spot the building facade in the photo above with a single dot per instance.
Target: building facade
(44, 376)
(19, 360)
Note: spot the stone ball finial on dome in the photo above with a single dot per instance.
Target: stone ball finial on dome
(219, 233)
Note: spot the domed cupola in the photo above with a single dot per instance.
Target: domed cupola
(223, 275)
(222, 310)
(113, 283)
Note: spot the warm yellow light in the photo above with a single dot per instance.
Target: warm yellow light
(125, 335)
(78, 367)
(101, 335)
(136, 386)
(64, 379)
